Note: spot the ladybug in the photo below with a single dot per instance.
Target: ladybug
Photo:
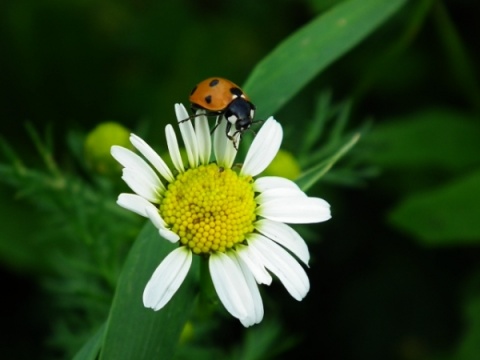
(219, 96)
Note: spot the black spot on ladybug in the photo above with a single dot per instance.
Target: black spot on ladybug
(193, 90)
(236, 91)
(208, 99)
(213, 83)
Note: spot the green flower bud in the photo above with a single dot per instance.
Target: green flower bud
(187, 333)
(284, 165)
(98, 143)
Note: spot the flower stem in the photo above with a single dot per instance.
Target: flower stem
(207, 300)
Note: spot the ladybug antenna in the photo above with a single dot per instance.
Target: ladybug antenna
(258, 121)
(215, 127)
(240, 133)
(194, 115)
(255, 122)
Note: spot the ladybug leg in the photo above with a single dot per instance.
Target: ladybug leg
(239, 139)
(194, 114)
(227, 130)
(187, 119)
(232, 137)
(191, 117)
(215, 127)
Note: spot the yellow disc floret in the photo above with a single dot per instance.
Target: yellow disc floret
(210, 208)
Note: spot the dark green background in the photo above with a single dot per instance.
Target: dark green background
(381, 289)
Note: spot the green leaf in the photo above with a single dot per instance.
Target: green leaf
(92, 347)
(469, 346)
(462, 68)
(317, 125)
(444, 216)
(315, 173)
(29, 254)
(265, 341)
(134, 332)
(434, 138)
(297, 60)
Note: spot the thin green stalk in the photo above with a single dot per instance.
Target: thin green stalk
(457, 55)
(416, 19)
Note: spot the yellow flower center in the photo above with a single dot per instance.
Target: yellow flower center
(210, 208)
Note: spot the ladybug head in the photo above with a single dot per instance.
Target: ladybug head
(240, 113)
(243, 124)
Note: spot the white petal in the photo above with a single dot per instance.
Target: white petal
(132, 161)
(282, 264)
(188, 135)
(230, 285)
(135, 203)
(296, 210)
(168, 235)
(250, 258)
(155, 218)
(223, 147)
(285, 236)
(273, 182)
(182, 114)
(257, 313)
(204, 139)
(167, 278)
(161, 225)
(263, 149)
(173, 148)
(152, 156)
(141, 185)
(279, 193)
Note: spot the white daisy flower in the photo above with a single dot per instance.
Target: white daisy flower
(211, 209)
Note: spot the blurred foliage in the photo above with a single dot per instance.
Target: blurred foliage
(394, 273)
